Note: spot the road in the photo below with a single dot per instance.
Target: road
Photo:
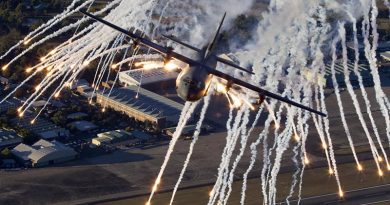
(370, 195)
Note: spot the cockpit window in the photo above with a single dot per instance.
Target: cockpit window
(189, 81)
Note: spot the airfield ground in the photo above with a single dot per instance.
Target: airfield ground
(131, 172)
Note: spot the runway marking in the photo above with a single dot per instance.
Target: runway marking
(377, 202)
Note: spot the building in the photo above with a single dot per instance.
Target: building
(386, 56)
(76, 116)
(4, 81)
(83, 125)
(43, 153)
(43, 128)
(9, 104)
(9, 138)
(143, 136)
(37, 105)
(383, 46)
(153, 78)
(110, 137)
(152, 75)
(143, 105)
(188, 130)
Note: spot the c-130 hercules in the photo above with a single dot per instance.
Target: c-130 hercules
(194, 80)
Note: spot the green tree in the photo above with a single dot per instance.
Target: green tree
(5, 153)
(59, 118)
(11, 113)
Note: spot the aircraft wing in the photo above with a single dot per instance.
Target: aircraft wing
(144, 41)
(242, 83)
(168, 51)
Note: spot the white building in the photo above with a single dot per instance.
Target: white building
(142, 104)
(44, 153)
(146, 77)
(110, 137)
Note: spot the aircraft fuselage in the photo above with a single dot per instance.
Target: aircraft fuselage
(194, 82)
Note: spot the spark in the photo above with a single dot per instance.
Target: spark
(324, 146)
(237, 102)
(26, 42)
(42, 59)
(114, 66)
(360, 167)
(307, 161)
(5, 67)
(211, 193)
(296, 137)
(40, 68)
(341, 193)
(138, 64)
(248, 103)
(21, 114)
(380, 173)
(28, 70)
(57, 94)
(331, 172)
(380, 159)
(170, 66)
(49, 68)
(32, 122)
(104, 110)
(86, 63)
(152, 65)
(221, 88)
(49, 74)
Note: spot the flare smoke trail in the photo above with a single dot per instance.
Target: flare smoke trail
(282, 38)
(342, 34)
(297, 171)
(228, 176)
(360, 80)
(192, 145)
(184, 117)
(230, 145)
(370, 55)
(244, 141)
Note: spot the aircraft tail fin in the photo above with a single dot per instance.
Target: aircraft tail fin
(215, 39)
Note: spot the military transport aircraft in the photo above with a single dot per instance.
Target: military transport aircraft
(194, 80)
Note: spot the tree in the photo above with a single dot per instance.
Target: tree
(58, 118)
(5, 153)
(11, 113)
(23, 132)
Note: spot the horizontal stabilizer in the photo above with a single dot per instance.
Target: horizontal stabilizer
(173, 38)
(232, 64)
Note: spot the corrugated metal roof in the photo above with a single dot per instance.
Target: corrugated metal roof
(41, 149)
(147, 102)
(134, 77)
